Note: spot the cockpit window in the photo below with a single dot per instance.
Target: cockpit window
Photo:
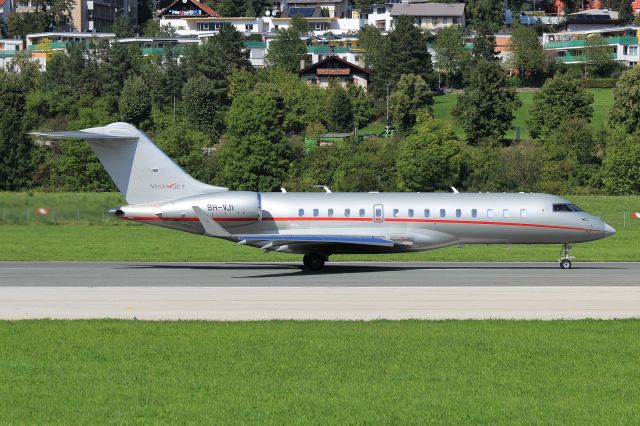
(565, 208)
(576, 208)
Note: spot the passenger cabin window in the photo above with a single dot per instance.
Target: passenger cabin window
(347, 212)
(505, 213)
(458, 213)
(330, 212)
(410, 212)
(301, 212)
(490, 213)
(443, 212)
(316, 212)
(395, 212)
(523, 213)
(474, 213)
(361, 212)
(426, 212)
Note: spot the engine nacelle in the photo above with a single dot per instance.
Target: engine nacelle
(230, 205)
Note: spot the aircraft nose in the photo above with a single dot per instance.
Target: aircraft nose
(609, 230)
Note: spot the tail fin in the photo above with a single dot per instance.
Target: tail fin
(140, 170)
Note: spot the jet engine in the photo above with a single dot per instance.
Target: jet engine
(236, 205)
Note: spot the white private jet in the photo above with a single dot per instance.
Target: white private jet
(318, 225)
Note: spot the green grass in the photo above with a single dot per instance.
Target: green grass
(603, 99)
(406, 372)
(116, 240)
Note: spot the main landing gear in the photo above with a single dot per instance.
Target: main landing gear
(313, 262)
(565, 260)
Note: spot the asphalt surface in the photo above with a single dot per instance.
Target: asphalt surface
(245, 291)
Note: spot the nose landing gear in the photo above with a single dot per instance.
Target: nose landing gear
(313, 262)
(565, 260)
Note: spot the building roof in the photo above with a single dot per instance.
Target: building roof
(331, 62)
(595, 14)
(197, 3)
(428, 9)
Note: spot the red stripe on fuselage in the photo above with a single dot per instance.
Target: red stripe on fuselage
(363, 219)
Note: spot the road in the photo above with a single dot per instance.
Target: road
(355, 291)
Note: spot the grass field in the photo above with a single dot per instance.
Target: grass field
(89, 239)
(406, 372)
(603, 99)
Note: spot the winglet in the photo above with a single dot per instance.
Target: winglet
(211, 227)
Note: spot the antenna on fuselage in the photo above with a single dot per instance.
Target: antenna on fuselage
(283, 190)
(326, 188)
(455, 191)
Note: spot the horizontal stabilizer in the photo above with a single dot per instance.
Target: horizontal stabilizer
(81, 134)
(211, 227)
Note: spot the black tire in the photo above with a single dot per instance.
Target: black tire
(313, 262)
(565, 264)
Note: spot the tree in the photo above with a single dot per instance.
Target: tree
(625, 111)
(572, 157)
(135, 101)
(153, 29)
(451, 55)
(21, 24)
(484, 45)
(286, 50)
(411, 97)
(15, 146)
(485, 14)
(407, 52)
(299, 25)
(485, 110)
(202, 101)
(256, 156)
(363, 111)
(429, 159)
(339, 110)
(527, 54)
(598, 55)
(622, 163)
(561, 98)
(122, 27)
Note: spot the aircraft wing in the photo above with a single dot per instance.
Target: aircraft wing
(273, 240)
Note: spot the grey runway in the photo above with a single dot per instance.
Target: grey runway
(246, 291)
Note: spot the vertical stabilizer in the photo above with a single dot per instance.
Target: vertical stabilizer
(140, 170)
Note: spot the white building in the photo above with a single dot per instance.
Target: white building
(569, 46)
(431, 16)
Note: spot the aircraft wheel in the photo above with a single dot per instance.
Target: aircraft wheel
(565, 264)
(313, 262)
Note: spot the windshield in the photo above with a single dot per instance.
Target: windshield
(566, 207)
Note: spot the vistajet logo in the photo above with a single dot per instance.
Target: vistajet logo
(169, 187)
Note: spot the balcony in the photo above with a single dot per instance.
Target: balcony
(568, 59)
(626, 40)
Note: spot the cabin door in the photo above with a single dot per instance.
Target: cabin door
(378, 213)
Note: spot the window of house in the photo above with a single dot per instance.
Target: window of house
(489, 212)
(300, 212)
(505, 213)
(380, 10)
(395, 212)
(361, 212)
(445, 20)
(330, 212)
(410, 212)
(347, 212)
(434, 21)
(455, 21)
(249, 27)
(316, 212)
(523, 213)
(474, 213)
(426, 212)
(443, 212)
(458, 213)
